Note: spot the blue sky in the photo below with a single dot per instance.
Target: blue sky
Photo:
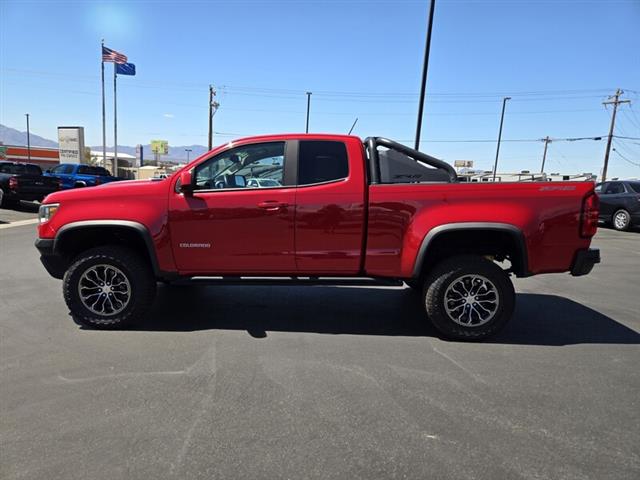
(558, 60)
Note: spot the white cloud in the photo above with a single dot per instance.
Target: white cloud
(167, 115)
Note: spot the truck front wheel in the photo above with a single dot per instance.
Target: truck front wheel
(108, 287)
(468, 297)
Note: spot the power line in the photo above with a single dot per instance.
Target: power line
(626, 159)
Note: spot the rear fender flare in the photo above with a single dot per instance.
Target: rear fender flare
(512, 230)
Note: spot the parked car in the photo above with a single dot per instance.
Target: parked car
(347, 212)
(75, 175)
(262, 182)
(620, 203)
(24, 181)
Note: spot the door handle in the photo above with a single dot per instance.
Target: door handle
(272, 205)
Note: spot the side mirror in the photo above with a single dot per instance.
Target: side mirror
(185, 182)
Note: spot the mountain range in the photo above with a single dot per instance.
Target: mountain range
(11, 136)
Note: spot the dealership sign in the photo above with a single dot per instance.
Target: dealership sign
(71, 144)
(463, 163)
(161, 147)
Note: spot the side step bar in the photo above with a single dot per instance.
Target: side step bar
(338, 281)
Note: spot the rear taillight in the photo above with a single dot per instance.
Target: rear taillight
(13, 183)
(98, 181)
(589, 218)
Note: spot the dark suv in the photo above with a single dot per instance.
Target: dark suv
(620, 203)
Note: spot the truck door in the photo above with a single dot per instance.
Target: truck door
(227, 227)
(65, 173)
(329, 218)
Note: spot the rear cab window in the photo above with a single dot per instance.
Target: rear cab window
(20, 169)
(321, 161)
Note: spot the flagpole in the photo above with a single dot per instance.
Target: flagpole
(104, 125)
(115, 123)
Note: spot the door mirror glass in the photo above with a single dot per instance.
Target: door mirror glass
(185, 184)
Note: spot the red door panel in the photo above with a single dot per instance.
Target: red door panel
(329, 229)
(248, 231)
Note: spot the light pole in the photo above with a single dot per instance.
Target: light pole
(188, 150)
(308, 107)
(495, 166)
(28, 139)
(425, 66)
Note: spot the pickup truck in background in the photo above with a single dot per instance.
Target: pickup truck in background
(24, 181)
(339, 211)
(74, 175)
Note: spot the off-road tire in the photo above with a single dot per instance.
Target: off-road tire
(621, 226)
(138, 273)
(449, 271)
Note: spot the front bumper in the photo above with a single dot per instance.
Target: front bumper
(54, 263)
(584, 261)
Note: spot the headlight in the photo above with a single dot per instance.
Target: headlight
(46, 212)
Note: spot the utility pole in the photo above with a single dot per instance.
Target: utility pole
(425, 67)
(308, 107)
(546, 141)
(353, 126)
(115, 122)
(615, 101)
(495, 166)
(188, 150)
(213, 108)
(104, 115)
(28, 138)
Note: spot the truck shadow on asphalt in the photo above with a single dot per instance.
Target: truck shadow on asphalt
(538, 319)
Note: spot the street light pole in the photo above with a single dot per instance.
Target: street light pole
(425, 67)
(28, 138)
(188, 150)
(308, 107)
(495, 166)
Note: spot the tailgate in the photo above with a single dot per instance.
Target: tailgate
(36, 185)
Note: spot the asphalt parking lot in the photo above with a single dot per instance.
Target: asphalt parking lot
(321, 382)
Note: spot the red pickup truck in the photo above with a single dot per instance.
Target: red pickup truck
(317, 209)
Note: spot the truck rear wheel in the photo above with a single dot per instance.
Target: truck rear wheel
(108, 287)
(468, 297)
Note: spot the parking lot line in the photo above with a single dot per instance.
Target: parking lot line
(19, 223)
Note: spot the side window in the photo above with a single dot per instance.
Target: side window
(251, 166)
(614, 187)
(598, 188)
(63, 169)
(83, 170)
(6, 168)
(322, 161)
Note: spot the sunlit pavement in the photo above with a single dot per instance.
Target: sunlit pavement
(321, 382)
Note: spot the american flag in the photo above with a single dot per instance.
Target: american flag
(109, 55)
